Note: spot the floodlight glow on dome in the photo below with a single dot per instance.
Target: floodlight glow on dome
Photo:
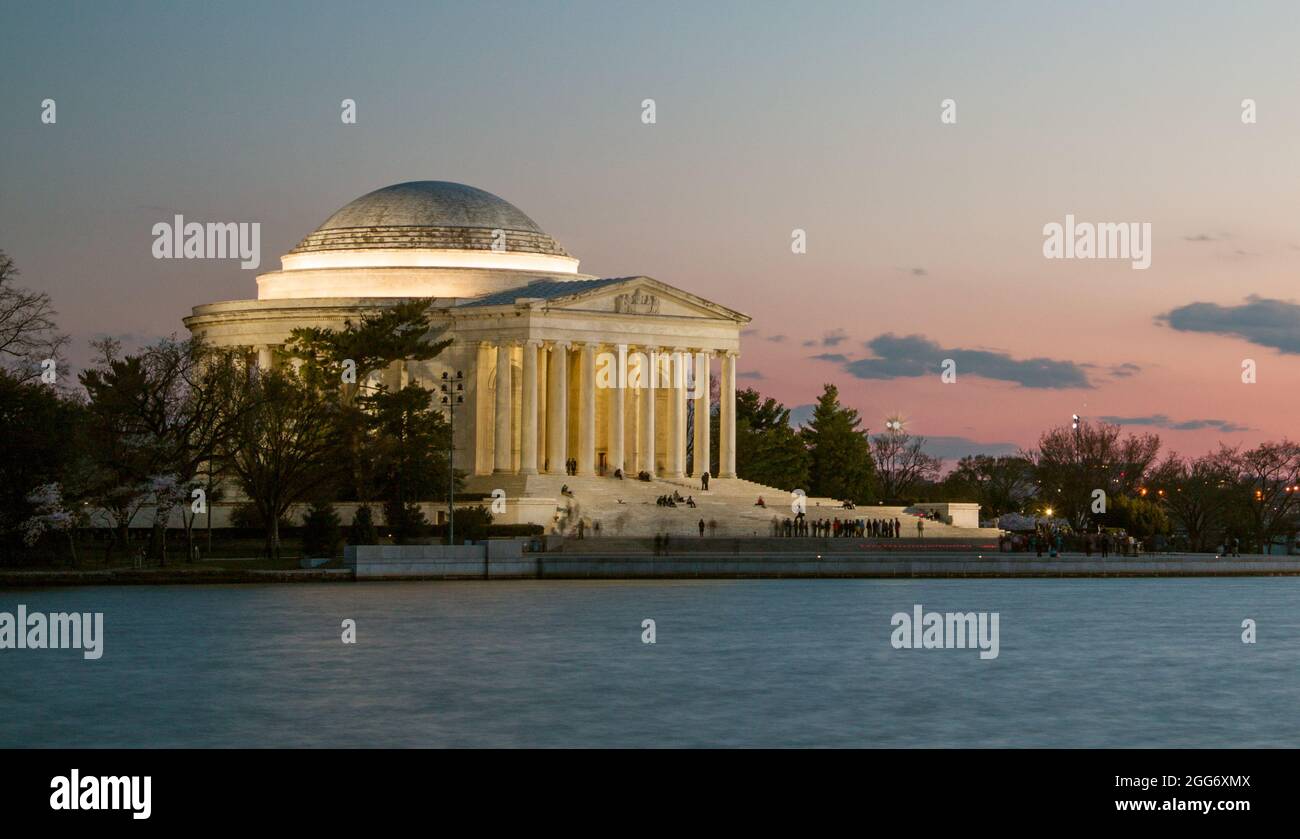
(421, 258)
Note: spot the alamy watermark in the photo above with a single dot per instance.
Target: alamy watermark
(55, 631)
(923, 630)
(637, 370)
(106, 792)
(179, 239)
(1106, 240)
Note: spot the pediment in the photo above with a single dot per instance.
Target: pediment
(643, 297)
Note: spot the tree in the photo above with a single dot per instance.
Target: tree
(28, 334)
(51, 513)
(768, 450)
(363, 531)
(168, 493)
(322, 533)
(472, 522)
(1071, 463)
(1266, 490)
(408, 442)
(44, 442)
(1195, 493)
(166, 411)
(284, 448)
(405, 521)
(394, 333)
(1000, 484)
(901, 463)
(840, 454)
(124, 456)
(1140, 517)
(363, 348)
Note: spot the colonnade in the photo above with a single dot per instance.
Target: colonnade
(641, 392)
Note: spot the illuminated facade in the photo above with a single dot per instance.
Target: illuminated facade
(538, 345)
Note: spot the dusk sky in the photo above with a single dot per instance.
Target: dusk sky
(924, 239)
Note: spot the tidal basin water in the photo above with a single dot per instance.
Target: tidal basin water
(1155, 662)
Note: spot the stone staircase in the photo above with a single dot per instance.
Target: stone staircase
(627, 509)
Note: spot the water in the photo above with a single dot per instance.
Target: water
(766, 663)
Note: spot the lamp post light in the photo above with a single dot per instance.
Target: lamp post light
(453, 396)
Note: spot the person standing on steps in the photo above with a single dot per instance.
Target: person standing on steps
(704, 480)
(701, 528)
(920, 528)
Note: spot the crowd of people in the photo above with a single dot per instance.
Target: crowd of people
(801, 525)
(1054, 541)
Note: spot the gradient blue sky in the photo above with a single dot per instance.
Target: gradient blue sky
(771, 116)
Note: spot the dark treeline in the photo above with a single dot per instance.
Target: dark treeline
(177, 425)
(1089, 474)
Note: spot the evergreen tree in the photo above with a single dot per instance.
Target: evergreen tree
(768, 450)
(322, 534)
(363, 530)
(407, 442)
(840, 453)
(405, 521)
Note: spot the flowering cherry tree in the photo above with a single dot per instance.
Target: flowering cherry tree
(51, 515)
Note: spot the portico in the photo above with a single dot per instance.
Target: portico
(572, 375)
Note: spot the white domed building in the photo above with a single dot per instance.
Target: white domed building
(537, 345)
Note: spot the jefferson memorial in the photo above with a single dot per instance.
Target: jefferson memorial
(553, 363)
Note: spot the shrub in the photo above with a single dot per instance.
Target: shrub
(472, 523)
(405, 521)
(363, 530)
(322, 533)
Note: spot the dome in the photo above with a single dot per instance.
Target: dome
(430, 215)
(419, 239)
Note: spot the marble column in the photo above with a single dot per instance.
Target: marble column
(501, 442)
(587, 418)
(702, 431)
(617, 407)
(727, 418)
(676, 454)
(264, 358)
(481, 400)
(646, 421)
(528, 416)
(557, 406)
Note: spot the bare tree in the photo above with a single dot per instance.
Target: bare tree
(1194, 492)
(901, 463)
(28, 334)
(285, 448)
(164, 411)
(1000, 484)
(1267, 483)
(1073, 463)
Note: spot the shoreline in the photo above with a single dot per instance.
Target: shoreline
(704, 565)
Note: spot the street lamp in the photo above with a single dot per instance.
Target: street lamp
(453, 396)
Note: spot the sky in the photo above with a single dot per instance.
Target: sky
(924, 238)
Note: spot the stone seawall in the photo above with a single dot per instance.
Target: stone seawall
(913, 565)
(507, 561)
(169, 576)
(474, 562)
